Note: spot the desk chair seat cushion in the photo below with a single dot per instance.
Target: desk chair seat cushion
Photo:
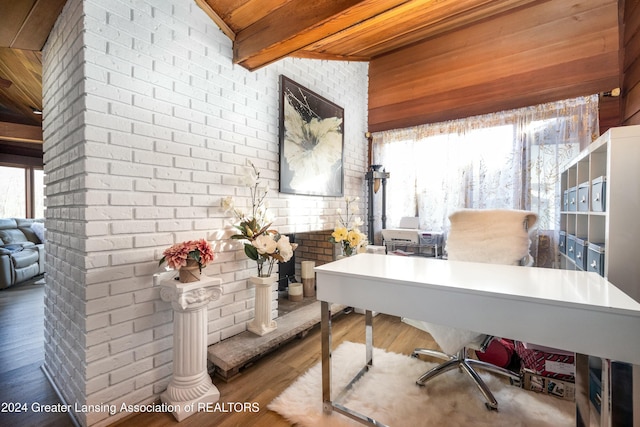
(498, 236)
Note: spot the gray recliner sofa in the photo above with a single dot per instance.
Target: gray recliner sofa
(21, 250)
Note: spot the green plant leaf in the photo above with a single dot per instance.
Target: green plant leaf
(251, 251)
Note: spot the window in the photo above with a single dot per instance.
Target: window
(506, 160)
(38, 193)
(21, 192)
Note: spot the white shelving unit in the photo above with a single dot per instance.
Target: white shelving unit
(615, 156)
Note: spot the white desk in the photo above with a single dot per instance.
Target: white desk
(571, 310)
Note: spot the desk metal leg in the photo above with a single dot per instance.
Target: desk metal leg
(582, 390)
(329, 405)
(368, 331)
(325, 329)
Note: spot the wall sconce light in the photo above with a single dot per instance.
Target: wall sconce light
(376, 181)
(36, 111)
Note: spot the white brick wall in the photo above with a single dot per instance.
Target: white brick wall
(148, 125)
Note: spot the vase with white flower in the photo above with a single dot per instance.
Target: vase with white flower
(262, 244)
(346, 233)
(189, 258)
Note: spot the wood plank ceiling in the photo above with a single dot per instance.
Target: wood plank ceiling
(264, 31)
(24, 28)
(436, 60)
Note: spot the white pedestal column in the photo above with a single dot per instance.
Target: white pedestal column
(190, 384)
(262, 323)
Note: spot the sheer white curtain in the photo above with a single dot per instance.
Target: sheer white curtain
(510, 159)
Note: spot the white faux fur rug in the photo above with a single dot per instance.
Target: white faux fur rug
(389, 394)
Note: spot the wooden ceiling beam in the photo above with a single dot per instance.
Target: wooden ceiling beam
(277, 35)
(216, 18)
(20, 153)
(412, 23)
(20, 133)
(308, 54)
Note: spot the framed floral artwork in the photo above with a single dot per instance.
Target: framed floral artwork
(311, 142)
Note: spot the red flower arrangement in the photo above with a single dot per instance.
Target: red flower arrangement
(178, 255)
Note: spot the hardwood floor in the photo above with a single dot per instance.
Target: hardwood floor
(271, 375)
(22, 355)
(22, 380)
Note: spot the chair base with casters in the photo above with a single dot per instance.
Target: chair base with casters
(468, 365)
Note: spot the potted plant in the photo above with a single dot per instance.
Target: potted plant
(262, 244)
(188, 258)
(347, 232)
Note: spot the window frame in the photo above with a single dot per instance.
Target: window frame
(29, 182)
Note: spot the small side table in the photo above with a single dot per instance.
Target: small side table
(190, 386)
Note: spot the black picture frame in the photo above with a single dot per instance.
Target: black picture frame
(311, 142)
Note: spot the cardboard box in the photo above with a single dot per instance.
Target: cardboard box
(547, 362)
(561, 389)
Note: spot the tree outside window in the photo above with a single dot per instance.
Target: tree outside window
(21, 192)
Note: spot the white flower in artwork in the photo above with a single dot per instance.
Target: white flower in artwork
(311, 148)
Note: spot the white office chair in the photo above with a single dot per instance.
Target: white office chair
(495, 236)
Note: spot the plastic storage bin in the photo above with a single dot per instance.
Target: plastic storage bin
(599, 194)
(562, 242)
(595, 258)
(583, 197)
(573, 194)
(571, 246)
(581, 247)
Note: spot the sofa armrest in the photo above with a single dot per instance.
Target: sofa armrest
(5, 272)
(41, 256)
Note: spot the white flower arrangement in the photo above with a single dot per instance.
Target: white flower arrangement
(265, 245)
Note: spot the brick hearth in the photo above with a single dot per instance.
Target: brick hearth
(314, 246)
